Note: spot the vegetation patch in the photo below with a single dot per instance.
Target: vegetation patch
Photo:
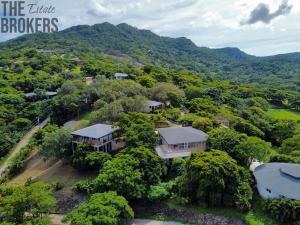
(284, 114)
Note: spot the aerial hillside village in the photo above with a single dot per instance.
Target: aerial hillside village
(95, 137)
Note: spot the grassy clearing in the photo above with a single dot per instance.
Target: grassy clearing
(284, 114)
(76, 70)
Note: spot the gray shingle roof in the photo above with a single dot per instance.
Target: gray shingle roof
(280, 178)
(96, 131)
(179, 135)
(154, 103)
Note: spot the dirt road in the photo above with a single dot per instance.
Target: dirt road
(22, 143)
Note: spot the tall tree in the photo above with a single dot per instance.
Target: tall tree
(213, 178)
(101, 209)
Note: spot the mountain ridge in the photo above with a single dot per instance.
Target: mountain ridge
(175, 53)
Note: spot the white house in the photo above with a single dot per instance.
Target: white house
(100, 136)
(180, 142)
(275, 180)
(121, 76)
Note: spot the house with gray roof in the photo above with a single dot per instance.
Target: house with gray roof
(153, 105)
(180, 142)
(276, 180)
(100, 136)
(121, 76)
(47, 94)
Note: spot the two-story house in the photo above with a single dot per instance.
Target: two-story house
(100, 136)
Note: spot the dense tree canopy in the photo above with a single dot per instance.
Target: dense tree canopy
(214, 178)
(150, 164)
(56, 144)
(120, 175)
(252, 148)
(26, 204)
(101, 209)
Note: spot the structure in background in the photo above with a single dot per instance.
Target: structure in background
(47, 95)
(99, 136)
(121, 76)
(180, 142)
(276, 180)
(76, 61)
(153, 105)
(223, 121)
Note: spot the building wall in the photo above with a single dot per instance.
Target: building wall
(190, 146)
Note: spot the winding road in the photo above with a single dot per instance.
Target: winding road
(22, 143)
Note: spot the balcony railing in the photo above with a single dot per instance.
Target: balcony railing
(94, 143)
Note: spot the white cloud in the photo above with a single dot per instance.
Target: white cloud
(208, 23)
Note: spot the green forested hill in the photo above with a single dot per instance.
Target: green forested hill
(179, 53)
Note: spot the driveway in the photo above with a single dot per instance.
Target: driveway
(22, 143)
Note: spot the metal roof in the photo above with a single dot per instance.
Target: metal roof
(280, 178)
(179, 135)
(154, 103)
(96, 131)
(48, 93)
(121, 75)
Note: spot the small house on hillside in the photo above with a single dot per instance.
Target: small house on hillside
(121, 76)
(99, 136)
(76, 61)
(47, 94)
(153, 105)
(276, 180)
(180, 142)
(45, 51)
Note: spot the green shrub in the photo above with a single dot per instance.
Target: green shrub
(96, 160)
(57, 185)
(178, 165)
(243, 197)
(83, 187)
(18, 161)
(285, 158)
(283, 210)
(161, 191)
(21, 123)
(85, 158)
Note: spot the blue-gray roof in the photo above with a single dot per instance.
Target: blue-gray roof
(154, 103)
(281, 178)
(179, 135)
(121, 75)
(96, 131)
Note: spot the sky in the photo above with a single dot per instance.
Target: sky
(258, 27)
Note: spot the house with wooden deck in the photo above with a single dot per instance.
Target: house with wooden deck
(180, 142)
(99, 136)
